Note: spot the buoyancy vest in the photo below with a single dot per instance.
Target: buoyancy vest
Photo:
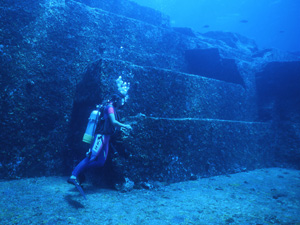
(104, 125)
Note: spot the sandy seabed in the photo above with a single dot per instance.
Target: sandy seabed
(264, 196)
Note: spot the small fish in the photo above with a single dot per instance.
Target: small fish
(281, 31)
(206, 26)
(244, 21)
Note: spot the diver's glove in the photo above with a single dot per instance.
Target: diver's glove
(89, 153)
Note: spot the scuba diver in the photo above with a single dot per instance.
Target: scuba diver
(105, 127)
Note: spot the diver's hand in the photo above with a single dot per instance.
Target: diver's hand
(89, 153)
(126, 129)
(127, 126)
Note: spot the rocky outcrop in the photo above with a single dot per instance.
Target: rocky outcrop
(130, 9)
(184, 125)
(59, 59)
(278, 91)
(278, 101)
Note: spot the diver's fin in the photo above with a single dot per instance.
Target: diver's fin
(75, 182)
(80, 190)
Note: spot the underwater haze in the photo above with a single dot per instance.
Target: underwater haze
(271, 23)
(207, 122)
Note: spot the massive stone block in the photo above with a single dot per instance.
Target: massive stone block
(287, 150)
(183, 124)
(278, 91)
(174, 149)
(169, 94)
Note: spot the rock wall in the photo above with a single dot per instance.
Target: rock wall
(130, 9)
(58, 59)
(184, 125)
(278, 91)
(37, 87)
(278, 101)
(177, 149)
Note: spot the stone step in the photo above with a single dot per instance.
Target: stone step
(170, 149)
(110, 35)
(105, 34)
(165, 93)
(130, 9)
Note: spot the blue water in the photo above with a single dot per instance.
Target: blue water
(271, 23)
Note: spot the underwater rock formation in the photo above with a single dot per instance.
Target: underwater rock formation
(183, 124)
(130, 9)
(208, 63)
(278, 101)
(278, 91)
(60, 58)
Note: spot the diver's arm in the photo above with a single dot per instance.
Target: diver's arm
(117, 123)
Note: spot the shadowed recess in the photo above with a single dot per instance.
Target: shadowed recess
(208, 63)
(278, 91)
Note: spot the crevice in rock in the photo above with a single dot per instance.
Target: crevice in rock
(194, 119)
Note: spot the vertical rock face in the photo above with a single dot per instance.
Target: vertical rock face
(183, 124)
(193, 100)
(36, 90)
(278, 93)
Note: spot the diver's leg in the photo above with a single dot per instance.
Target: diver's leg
(104, 151)
(83, 165)
(87, 163)
(102, 156)
(78, 170)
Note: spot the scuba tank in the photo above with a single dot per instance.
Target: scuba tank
(91, 126)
